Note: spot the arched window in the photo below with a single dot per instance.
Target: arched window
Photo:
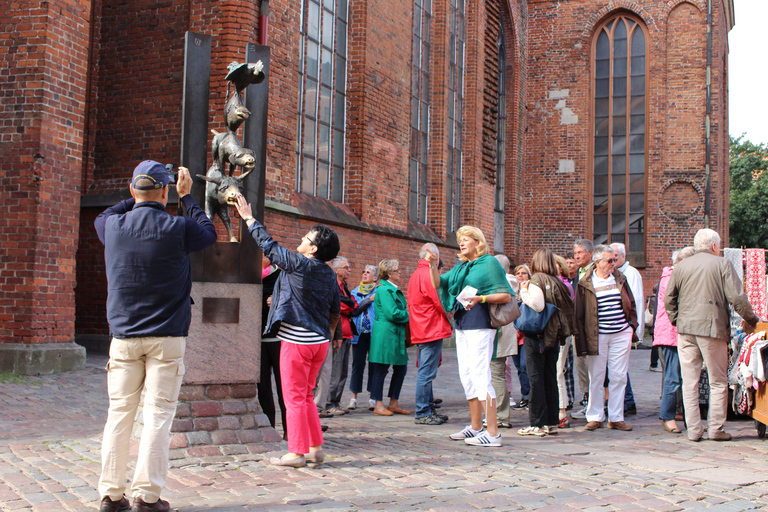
(620, 148)
(322, 98)
(420, 97)
(501, 148)
(455, 115)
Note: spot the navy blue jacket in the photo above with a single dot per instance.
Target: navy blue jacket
(306, 293)
(149, 279)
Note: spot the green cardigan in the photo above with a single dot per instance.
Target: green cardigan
(388, 331)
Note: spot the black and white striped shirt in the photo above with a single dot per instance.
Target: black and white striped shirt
(610, 314)
(300, 335)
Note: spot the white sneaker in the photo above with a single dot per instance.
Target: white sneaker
(352, 404)
(532, 431)
(484, 439)
(464, 434)
(371, 404)
(580, 414)
(512, 404)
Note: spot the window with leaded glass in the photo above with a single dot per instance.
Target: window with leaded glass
(619, 153)
(322, 98)
(420, 82)
(455, 115)
(501, 137)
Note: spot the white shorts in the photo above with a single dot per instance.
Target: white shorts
(474, 349)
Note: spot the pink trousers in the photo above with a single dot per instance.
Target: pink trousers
(299, 366)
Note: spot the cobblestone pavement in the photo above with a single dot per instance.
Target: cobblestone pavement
(50, 432)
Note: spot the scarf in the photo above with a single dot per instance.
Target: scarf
(366, 288)
(485, 273)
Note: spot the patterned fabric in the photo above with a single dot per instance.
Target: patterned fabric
(736, 257)
(755, 281)
(610, 314)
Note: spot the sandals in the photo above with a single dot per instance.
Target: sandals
(288, 461)
(670, 430)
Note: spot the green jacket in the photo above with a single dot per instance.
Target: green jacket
(388, 331)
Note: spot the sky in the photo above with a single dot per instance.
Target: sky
(748, 77)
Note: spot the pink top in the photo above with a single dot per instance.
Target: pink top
(664, 333)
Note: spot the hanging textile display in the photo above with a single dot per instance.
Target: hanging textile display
(736, 257)
(755, 282)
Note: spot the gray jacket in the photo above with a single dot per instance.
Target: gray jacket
(698, 294)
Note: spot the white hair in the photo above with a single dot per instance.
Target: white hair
(374, 270)
(504, 262)
(705, 239)
(619, 248)
(674, 257)
(429, 248)
(336, 262)
(600, 250)
(585, 244)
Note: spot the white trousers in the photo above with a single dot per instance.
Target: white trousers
(613, 350)
(562, 390)
(155, 366)
(474, 349)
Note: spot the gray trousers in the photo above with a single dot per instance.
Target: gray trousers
(339, 373)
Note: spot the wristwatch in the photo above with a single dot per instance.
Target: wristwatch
(246, 219)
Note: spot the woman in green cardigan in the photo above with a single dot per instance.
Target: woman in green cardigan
(388, 340)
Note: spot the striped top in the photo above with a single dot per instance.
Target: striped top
(299, 335)
(610, 314)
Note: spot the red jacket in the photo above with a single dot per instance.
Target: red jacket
(427, 318)
(348, 304)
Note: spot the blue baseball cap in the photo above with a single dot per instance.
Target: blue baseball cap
(150, 175)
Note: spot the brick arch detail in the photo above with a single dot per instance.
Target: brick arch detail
(613, 7)
(671, 5)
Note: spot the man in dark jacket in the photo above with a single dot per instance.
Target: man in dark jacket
(149, 280)
(698, 294)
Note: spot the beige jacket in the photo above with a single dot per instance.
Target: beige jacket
(698, 294)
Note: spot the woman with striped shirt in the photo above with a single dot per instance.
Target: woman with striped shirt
(606, 319)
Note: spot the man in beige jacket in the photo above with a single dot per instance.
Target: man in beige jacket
(698, 294)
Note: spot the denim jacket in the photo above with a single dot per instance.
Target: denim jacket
(306, 293)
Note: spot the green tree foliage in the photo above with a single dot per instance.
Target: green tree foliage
(749, 194)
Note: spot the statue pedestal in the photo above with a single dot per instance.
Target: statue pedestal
(218, 413)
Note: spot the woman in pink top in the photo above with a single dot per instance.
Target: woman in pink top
(665, 336)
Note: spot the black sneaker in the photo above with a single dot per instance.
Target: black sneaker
(585, 399)
(121, 505)
(522, 404)
(441, 416)
(570, 406)
(432, 419)
(631, 410)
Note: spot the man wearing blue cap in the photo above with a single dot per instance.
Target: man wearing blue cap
(149, 280)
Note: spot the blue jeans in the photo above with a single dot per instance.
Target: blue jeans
(429, 358)
(629, 397)
(522, 373)
(359, 358)
(672, 382)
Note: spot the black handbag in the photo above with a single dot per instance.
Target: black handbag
(531, 322)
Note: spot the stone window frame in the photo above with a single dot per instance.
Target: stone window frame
(321, 116)
(501, 146)
(619, 208)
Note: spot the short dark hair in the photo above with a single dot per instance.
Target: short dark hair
(326, 241)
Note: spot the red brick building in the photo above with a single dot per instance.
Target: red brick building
(396, 122)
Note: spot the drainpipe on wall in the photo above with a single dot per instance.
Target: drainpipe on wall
(264, 22)
(709, 117)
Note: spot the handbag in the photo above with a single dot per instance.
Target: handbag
(531, 322)
(504, 314)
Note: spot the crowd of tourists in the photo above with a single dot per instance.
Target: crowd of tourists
(577, 316)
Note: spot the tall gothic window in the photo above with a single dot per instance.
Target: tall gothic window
(322, 98)
(619, 154)
(455, 115)
(501, 149)
(420, 82)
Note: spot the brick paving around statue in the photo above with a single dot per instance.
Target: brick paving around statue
(50, 434)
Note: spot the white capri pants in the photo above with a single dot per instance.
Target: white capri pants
(474, 349)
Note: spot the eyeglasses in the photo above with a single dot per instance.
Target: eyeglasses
(345, 268)
(305, 237)
(366, 271)
(396, 270)
(613, 260)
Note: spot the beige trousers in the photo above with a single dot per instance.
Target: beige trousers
(582, 371)
(562, 389)
(692, 350)
(155, 366)
(499, 383)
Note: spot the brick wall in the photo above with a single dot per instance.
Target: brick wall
(43, 81)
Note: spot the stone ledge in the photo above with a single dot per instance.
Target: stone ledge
(41, 358)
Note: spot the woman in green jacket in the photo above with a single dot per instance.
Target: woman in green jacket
(388, 340)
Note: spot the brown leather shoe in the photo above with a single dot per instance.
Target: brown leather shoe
(121, 505)
(619, 425)
(593, 425)
(139, 505)
(397, 410)
(720, 435)
(382, 411)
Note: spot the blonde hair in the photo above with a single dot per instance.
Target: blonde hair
(476, 235)
(386, 267)
(523, 267)
(564, 271)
